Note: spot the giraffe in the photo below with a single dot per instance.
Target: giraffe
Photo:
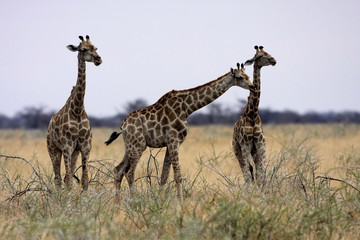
(164, 124)
(69, 131)
(248, 136)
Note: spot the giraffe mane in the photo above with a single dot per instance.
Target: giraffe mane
(180, 93)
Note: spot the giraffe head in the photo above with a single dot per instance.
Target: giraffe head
(261, 58)
(87, 51)
(241, 78)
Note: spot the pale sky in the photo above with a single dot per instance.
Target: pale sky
(151, 47)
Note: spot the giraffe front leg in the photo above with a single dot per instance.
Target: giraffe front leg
(242, 156)
(174, 160)
(55, 155)
(259, 159)
(178, 179)
(68, 172)
(74, 157)
(246, 168)
(85, 174)
(166, 168)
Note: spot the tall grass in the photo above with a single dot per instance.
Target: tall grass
(297, 202)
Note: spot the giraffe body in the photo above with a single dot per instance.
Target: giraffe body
(248, 137)
(164, 124)
(69, 132)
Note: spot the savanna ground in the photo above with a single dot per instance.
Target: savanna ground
(312, 189)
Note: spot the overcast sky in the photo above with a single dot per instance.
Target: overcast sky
(151, 47)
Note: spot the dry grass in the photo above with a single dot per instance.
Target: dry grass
(328, 141)
(295, 203)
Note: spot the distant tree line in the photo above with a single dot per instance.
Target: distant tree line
(216, 113)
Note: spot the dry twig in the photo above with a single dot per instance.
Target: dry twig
(338, 180)
(28, 162)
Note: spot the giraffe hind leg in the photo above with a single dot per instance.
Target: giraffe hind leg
(130, 170)
(120, 170)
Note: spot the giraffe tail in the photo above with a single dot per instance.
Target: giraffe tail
(113, 136)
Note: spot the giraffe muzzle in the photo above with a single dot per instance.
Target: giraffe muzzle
(97, 61)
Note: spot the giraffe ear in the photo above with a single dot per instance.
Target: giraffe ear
(232, 71)
(72, 48)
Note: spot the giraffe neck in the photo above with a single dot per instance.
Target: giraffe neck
(77, 103)
(201, 96)
(252, 107)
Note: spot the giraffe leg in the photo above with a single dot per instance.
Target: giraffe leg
(84, 164)
(68, 173)
(242, 155)
(246, 167)
(133, 152)
(120, 171)
(74, 157)
(55, 155)
(166, 168)
(259, 159)
(130, 171)
(174, 160)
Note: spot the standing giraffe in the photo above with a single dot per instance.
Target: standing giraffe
(248, 136)
(164, 124)
(69, 131)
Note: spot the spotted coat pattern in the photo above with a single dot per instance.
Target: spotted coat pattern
(248, 136)
(164, 124)
(69, 131)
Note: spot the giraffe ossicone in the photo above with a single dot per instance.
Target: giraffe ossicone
(164, 124)
(248, 136)
(69, 131)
